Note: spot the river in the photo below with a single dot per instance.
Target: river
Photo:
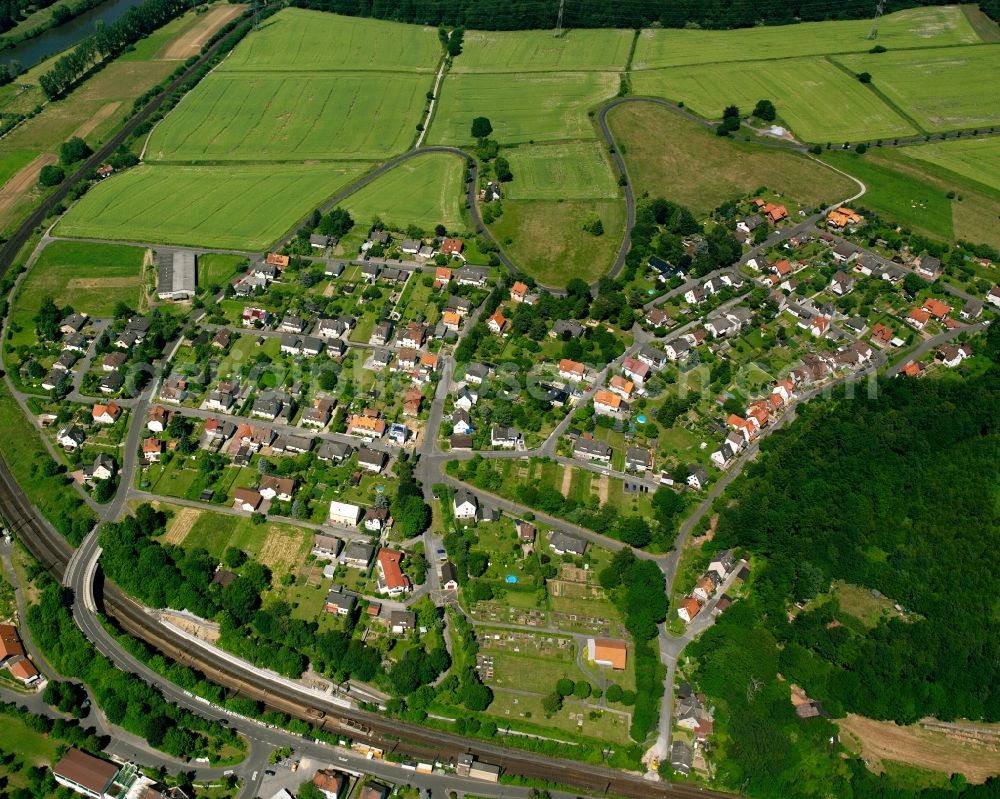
(31, 52)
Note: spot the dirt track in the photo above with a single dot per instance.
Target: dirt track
(884, 740)
(22, 182)
(191, 43)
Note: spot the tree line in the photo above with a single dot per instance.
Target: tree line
(522, 14)
(108, 42)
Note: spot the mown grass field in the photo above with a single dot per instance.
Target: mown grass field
(976, 159)
(816, 99)
(918, 27)
(907, 199)
(424, 191)
(217, 269)
(673, 157)
(522, 107)
(541, 51)
(90, 277)
(941, 89)
(299, 39)
(570, 171)
(547, 240)
(238, 206)
(11, 162)
(253, 116)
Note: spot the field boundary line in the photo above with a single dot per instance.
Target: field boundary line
(879, 94)
(429, 116)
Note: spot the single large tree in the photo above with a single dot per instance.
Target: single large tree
(765, 110)
(481, 127)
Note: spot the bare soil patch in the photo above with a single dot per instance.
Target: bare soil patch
(23, 181)
(180, 526)
(279, 552)
(191, 42)
(566, 482)
(602, 488)
(885, 740)
(91, 124)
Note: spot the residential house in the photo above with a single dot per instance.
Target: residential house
(366, 426)
(562, 543)
(697, 477)
(652, 357)
(65, 361)
(993, 296)
(274, 487)
(334, 452)
(376, 519)
(635, 370)
(971, 310)
(459, 305)
(844, 253)
(114, 361)
(247, 500)
(473, 276)
(449, 576)
(402, 621)
(519, 291)
(721, 326)
(936, 308)
(370, 271)
(622, 387)
(928, 267)
(466, 398)
(319, 242)
(464, 505)
(255, 317)
(220, 399)
(451, 320)
(526, 531)
(268, 405)
(722, 563)
(442, 276)
(677, 349)
(460, 441)
(918, 317)
(592, 450)
(347, 515)
(318, 415)
(356, 555)
(106, 414)
(452, 247)
(332, 784)
(882, 334)
(681, 757)
(174, 389)
(913, 369)
(103, 468)
(399, 433)
(695, 295)
(326, 547)
(381, 358)
(414, 335)
(70, 437)
(952, 356)
(566, 329)
(504, 437)
(73, 323)
(607, 403)
(705, 587)
(340, 603)
(153, 449)
(111, 383)
(410, 246)
(371, 460)
(381, 333)
(497, 323)
(840, 218)
(461, 421)
(156, 420)
(688, 609)
(657, 317)
(819, 327)
(572, 370)
(638, 459)
(842, 283)
(391, 580)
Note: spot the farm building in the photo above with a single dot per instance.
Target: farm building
(177, 275)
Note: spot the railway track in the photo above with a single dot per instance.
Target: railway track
(391, 735)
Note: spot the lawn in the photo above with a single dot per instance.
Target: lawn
(522, 107)
(540, 51)
(90, 277)
(546, 238)
(18, 738)
(941, 89)
(904, 198)
(215, 269)
(297, 39)
(976, 159)
(294, 116)
(244, 206)
(816, 99)
(424, 191)
(673, 157)
(11, 163)
(917, 27)
(561, 171)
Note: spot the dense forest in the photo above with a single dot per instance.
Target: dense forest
(896, 494)
(520, 14)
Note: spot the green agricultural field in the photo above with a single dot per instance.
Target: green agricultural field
(816, 99)
(976, 159)
(253, 116)
(547, 239)
(217, 269)
(12, 162)
(299, 39)
(670, 156)
(563, 171)
(241, 207)
(424, 191)
(90, 277)
(903, 198)
(522, 107)
(541, 51)
(941, 89)
(935, 26)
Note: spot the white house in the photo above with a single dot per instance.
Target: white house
(464, 505)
